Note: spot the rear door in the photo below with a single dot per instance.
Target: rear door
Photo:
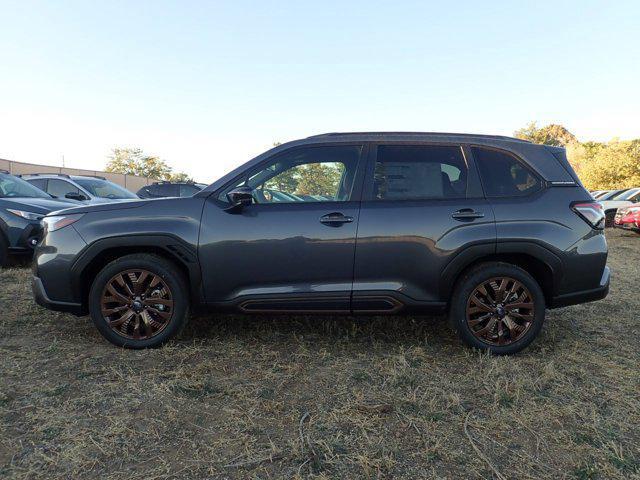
(422, 206)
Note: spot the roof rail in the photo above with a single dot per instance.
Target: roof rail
(43, 173)
(434, 134)
(170, 182)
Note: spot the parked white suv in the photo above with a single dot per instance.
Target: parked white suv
(81, 189)
(623, 199)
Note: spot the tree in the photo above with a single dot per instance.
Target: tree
(286, 181)
(179, 177)
(552, 134)
(614, 165)
(132, 161)
(318, 179)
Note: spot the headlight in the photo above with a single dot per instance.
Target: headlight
(56, 222)
(26, 215)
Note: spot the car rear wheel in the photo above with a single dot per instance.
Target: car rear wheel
(497, 307)
(139, 301)
(609, 219)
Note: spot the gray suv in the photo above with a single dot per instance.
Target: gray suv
(79, 188)
(493, 230)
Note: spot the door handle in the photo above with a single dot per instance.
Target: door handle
(467, 214)
(335, 219)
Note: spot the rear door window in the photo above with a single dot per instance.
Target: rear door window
(503, 175)
(41, 183)
(416, 172)
(59, 188)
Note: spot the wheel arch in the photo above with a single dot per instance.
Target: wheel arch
(542, 264)
(101, 252)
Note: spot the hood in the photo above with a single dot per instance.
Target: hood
(101, 201)
(35, 205)
(104, 206)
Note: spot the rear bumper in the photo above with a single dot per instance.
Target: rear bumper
(627, 226)
(584, 296)
(42, 299)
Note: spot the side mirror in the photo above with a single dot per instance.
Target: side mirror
(75, 196)
(240, 197)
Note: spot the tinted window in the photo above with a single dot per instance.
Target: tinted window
(188, 190)
(313, 174)
(419, 172)
(628, 195)
(154, 191)
(610, 194)
(59, 188)
(41, 183)
(164, 190)
(104, 188)
(502, 174)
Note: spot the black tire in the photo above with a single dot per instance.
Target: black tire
(172, 278)
(475, 277)
(609, 219)
(4, 251)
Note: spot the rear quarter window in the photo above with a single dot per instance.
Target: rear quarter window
(503, 175)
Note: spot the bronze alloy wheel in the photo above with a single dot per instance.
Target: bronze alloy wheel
(136, 304)
(500, 311)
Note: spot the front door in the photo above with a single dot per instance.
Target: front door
(422, 206)
(293, 248)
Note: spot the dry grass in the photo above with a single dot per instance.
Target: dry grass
(323, 397)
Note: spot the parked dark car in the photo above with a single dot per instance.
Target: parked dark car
(170, 189)
(22, 207)
(492, 229)
(80, 189)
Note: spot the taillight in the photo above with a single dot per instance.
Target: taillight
(590, 212)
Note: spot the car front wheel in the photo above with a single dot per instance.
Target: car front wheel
(497, 307)
(139, 301)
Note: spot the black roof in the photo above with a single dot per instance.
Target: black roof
(419, 134)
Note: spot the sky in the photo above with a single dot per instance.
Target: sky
(207, 85)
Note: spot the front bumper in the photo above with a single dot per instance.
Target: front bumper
(25, 239)
(584, 296)
(42, 299)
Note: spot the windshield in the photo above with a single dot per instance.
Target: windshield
(11, 186)
(609, 195)
(627, 195)
(104, 188)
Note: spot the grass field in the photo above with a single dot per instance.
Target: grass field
(262, 397)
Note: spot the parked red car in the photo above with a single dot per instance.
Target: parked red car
(628, 218)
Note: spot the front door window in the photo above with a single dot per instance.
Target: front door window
(306, 175)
